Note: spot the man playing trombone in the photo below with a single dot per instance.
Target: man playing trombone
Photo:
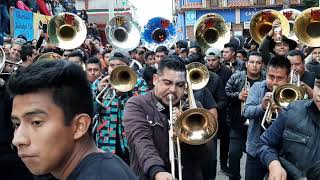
(290, 147)
(260, 97)
(146, 126)
(109, 130)
(237, 89)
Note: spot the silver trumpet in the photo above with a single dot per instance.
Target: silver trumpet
(246, 87)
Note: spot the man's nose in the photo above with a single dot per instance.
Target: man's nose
(20, 137)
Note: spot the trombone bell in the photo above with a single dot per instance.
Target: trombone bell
(123, 78)
(261, 24)
(198, 75)
(285, 94)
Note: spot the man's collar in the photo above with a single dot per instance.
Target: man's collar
(159, 105)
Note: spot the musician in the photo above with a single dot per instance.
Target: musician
(213, 62)
(28, 54)
(269, 47)
(229, 58)
(307, 78)
(93, 69)
(314, 64)
(146, 127)
(290, 147)
(76, 57)
(260, 94)
(110, 130)
(161, 53)
(51, 113)
(237, 91)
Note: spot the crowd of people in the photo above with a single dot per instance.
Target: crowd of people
(53, 113)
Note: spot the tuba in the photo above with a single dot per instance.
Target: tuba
(261, 24)
(48, 56)
(194, 126)
(291, 15)
(307, 27)
(158, 32)
(210, 30)
(122, 32)
(67, 31)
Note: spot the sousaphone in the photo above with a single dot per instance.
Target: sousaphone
(210, 30)
(158, 31)
(307, 27)
(261, 24)
(291, 15)
(123, 33)
(67, 31)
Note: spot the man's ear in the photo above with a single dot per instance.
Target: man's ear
(81, 124)
(155, 79)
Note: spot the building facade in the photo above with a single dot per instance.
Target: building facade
(236, 13)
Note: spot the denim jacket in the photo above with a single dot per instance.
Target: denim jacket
(254, 112)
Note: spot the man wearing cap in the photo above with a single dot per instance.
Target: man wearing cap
(290, 148)
(269, 47)
(110, 129)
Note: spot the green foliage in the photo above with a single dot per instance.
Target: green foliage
(311, 3)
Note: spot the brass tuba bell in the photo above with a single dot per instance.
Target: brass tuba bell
(48, 56)
(196, 126)
(158, 31)
(261, 24)
(122, 32)
(67, 31)
(210, 30)
(307, 26)
(291, 15)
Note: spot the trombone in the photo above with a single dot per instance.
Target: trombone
(194, 126)
(122, 79)
(283, 95)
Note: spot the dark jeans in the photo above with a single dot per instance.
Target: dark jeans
(237, 146)
(4, 19)
(213, 160)
(255, 170)
(223, 135)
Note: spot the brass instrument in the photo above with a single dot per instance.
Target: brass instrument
(157, 32)
(291, 15)
(67, 31)
(246, 87)
(194, 126)
(307, 27)
(122, 79)
(3, 63)
(261, 24)
(270, 114)
(199, 75)
(210, 30)
(48, 56)
(283, 95)
(122, 32)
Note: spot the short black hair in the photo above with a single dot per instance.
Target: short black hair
(195, 57)
(76, 53)
(182, 44)
(171, 63)
(296, 53)
(26, 50)
(162, 49)
(64, 80)
(148, 75)
(105, 52)
(280, 62)
(255, 53)
(243, 52)
(230, 46)
(93, 60)
(148, 53)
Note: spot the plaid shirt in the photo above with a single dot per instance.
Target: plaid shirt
(111, 117)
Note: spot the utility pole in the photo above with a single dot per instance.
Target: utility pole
(111, 9)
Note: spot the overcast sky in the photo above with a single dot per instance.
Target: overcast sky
(148, 9)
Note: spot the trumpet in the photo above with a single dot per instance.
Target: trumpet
(194, 126)
(246, 87)
(270, 114)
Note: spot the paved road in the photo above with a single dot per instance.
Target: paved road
(221, 176)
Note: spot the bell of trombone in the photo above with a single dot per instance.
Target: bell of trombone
(49, 56)
(291, 15)
(123, 33)
(123, 78)
(67, 31)
(158, 31)
(307, 27)
(195, 126)
(285, 94)
(210, 30)
(261, 24)
(198, 74)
